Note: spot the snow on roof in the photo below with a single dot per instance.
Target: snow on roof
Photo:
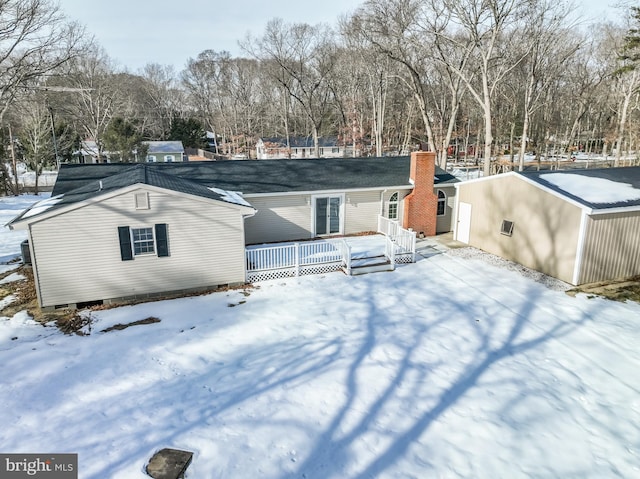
(231, 196)
(42, 206)
(164, 147)
(591, 189)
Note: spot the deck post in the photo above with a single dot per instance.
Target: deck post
(413, 248)
(297, 257)
(346, 256)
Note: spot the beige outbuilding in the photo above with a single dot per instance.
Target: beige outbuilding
(580, 226)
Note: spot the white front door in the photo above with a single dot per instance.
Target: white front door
(463, 226)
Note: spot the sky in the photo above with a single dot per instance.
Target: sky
(137, 32)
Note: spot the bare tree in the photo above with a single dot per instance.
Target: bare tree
(163, 101)
(409, 33)
(97, 97)
(550, 43)
(204, 80)
(36, 135)
(484, 30)
(303, 58)
(35, 40)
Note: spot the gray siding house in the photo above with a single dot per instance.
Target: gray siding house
(164, 151)
(580, 226)
(119, 230)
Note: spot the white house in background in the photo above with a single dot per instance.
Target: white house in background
(165, 151)
(88, 153)
(299, 147)
(121, 230)
(581, 226)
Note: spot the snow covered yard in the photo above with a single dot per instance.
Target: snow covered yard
(450, 367)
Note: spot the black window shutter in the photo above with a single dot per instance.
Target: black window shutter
(126, 253)
(161, 240)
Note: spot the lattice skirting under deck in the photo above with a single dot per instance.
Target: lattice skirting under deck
(265, 275)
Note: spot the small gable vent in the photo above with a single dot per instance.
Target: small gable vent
(142, 201)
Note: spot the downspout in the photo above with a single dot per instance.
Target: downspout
(381, 213)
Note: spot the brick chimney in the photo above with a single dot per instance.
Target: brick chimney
(421, 206)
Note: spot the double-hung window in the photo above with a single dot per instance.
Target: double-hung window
(143, 241)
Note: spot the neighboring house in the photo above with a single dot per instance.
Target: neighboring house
(580, 226)
(88, 153)
(299, 147)
(164, 151)
(78, 257)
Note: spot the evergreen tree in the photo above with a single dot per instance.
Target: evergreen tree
(189, 131)
(123, 139)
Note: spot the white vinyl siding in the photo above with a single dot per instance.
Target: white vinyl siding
(361, 211)
(290, 217)
(444, 222)
(206, 249)
(279, 218)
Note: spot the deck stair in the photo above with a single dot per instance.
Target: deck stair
(374, 264)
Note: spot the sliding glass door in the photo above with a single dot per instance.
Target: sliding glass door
(327, 215)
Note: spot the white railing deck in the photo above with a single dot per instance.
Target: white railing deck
(405, 240)
(323, 256)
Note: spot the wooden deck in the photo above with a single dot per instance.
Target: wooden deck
(283, 260)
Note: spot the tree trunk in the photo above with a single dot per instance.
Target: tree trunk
(523, 142)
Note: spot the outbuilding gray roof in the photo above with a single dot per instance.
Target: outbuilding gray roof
(265, 176)
(601, 188)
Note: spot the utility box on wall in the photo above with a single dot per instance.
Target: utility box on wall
(26, 253)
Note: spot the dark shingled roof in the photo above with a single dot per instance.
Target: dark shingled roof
(265, 176)
(628, 175)
(130, 174)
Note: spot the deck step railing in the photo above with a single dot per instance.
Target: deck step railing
(405, 240)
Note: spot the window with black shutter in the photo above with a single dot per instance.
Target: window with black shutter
(124, 234)
(162, 242)
(143, 241)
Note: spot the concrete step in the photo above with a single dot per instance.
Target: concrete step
(371, 268)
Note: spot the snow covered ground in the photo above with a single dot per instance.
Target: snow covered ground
(450, 367)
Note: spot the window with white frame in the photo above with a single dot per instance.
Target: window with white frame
(392, 210)
(151, 159)
(142, 241)
(169, 158)
(442, 202)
